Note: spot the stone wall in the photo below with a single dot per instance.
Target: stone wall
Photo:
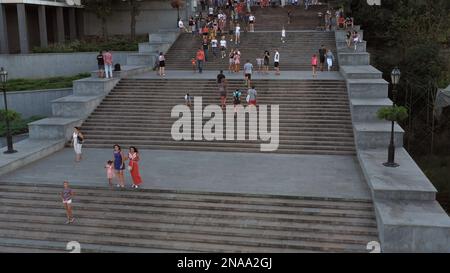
(36, 102)
(44, 65)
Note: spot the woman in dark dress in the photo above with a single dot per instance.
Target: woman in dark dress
(119, 165)
(266, 61)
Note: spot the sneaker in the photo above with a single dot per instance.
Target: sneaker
(71, 220)
(67, 222)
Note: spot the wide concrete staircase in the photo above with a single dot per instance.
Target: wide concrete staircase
(295, 54)
(314, 116)
(32, 219)
(301, 19)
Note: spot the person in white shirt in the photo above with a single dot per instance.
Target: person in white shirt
(276, 62)
(223, 47)
(283, 35)
(181, 25)
(237, 34)
(251, 22)
(214, 46)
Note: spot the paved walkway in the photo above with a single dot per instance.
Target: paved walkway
(210, 74)
(302, 175)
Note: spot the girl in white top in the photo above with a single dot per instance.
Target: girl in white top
(276, 61)
(223, 47)
(251, 21)
(214, 46)
(238, 34)
(283, 35)
(77, 142)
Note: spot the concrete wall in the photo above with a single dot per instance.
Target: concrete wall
(44, 65)
(153, 16)
(36, 102)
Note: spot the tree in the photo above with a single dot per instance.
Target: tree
(177, 4)
(102, 9)
(134, 12)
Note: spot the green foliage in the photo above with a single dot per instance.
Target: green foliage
(48, 83)
(396, 113)
(114, 44)
(16, 123)
(436, 168)
(12, 115)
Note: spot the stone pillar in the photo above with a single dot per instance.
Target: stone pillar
(60, 25)
(72, 24)
(23, 29)
(4, 48)
(42, 26)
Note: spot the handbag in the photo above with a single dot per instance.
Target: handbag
(248, 98)
(130, 167)
(79, 140)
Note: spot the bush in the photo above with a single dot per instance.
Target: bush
(16, 123)
(396, 113)
(93, 45)
(12, 115)
(49, 83)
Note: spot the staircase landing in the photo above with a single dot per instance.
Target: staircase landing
(323, 176)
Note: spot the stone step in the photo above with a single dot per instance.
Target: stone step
(12, 245)
(365, 110)
(354, 58)
(180, 231)
(344, 48)
(367, 88)
(213, 197)
(296, 150)
(168, 242)
(286, 133)
(151, 220)
(375, 135)
(360, 72)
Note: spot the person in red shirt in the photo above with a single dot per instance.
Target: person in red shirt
(108, 60)
(200, 59)
(314, 65)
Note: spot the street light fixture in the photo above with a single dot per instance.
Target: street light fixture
(395, 78)
(4, 80)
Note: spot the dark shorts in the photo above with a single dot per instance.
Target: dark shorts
(276, 64)
(322, 60)
(162, 64)
(101, 67)
(248, 76)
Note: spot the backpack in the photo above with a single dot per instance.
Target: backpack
(237, 97)
(117, 67)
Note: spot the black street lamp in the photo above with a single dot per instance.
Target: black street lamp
(395, 78)
(4, 80)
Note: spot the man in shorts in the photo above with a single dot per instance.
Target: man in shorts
(248, 69)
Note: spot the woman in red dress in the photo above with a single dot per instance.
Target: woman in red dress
(133, 166)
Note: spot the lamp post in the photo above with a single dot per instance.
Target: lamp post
(4, 80)
(395, 78)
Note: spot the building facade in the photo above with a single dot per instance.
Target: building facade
(25, 24)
